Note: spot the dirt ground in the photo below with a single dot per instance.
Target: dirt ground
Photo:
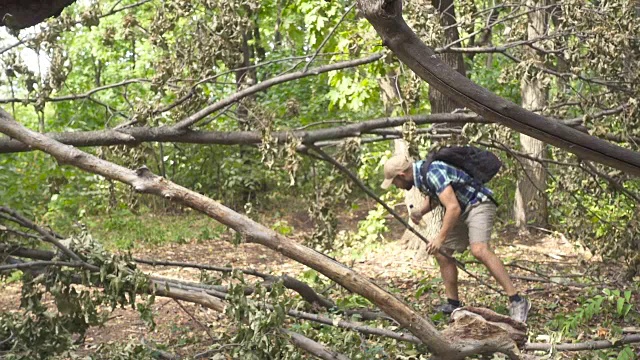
(188, 329)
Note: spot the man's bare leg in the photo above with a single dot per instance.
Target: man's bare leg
(449, 273)
(482, 252)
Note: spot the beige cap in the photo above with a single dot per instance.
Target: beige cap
(394, 166)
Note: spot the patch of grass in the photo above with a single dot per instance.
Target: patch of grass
(125, 230)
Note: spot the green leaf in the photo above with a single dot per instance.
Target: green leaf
(621, 302)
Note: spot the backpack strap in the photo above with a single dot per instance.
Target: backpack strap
(424, 169)
(478, 187)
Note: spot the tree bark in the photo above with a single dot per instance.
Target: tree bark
(530, 204)
(440, 103)
(386, 18)
(20, 14)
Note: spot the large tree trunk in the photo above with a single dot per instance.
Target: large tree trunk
(530, 201)
(440, 103)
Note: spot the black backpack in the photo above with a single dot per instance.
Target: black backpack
(481, 165)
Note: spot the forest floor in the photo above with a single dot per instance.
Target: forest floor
(546, 267)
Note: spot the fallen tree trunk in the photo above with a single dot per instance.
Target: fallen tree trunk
(386, 18)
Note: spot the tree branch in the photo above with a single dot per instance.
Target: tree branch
(137, 135)
(74, 96)
(194, 118)
(46, 236)
(39, 264)
(326, 38)
(588, 345)
(314, 348)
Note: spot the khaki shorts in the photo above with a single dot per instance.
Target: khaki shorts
(474, 226)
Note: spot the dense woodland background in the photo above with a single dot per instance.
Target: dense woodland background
(244, 102)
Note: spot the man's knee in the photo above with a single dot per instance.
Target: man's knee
(480, 251)
(442, 259)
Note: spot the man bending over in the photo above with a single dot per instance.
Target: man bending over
(468, 221)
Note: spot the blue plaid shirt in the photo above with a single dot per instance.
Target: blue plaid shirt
(440, 175)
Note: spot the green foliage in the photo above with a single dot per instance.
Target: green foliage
(124, 230)
(40, 330)
(258, 332)
(601, 313)
(128, 351)
(605, 222)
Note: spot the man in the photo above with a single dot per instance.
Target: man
(468, 221)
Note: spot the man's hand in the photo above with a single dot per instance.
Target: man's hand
(417, 212)
(434, 245)
(416, 217)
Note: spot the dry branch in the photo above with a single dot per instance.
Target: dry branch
(137, 135)
(46, 236)
(194, 118)
(215, 300)
(316, 349)
(588, 345)
(39, 264)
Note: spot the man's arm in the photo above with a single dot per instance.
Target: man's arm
(421, 209)
(449, 200)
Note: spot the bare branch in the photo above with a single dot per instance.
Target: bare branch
(46, 236)
(20, 251)
(136, 135)
(17, 232)
(616, 185)
(74, 96)
(194, 118)
(39, 264)
(496, 49)
(314, 348)
(326, 38)
(206, 329)
(588, 345)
